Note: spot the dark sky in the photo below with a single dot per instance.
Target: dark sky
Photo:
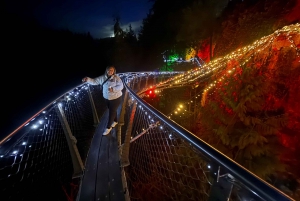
(82, 16)
(28, 82)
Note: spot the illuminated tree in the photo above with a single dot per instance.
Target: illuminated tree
(249, 107)
(200, 22)
(159, 29)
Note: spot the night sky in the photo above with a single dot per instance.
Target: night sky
(28, 82)
(82, 16)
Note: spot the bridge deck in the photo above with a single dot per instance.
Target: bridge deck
(102, 178)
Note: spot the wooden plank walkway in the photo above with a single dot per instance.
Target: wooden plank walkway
(102, 178)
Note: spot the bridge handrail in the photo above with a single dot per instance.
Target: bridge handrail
(249, 180)
(17, 166)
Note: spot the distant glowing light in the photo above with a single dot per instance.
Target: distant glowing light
(34, 126)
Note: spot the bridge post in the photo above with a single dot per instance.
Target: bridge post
(125, 147)
(194, 98)
(222, 187)
(121, 119)
(162, 78)
(138, 87)
(119, 135)
(76, 159)
(95, 115)
(132, 83)
(146, 85)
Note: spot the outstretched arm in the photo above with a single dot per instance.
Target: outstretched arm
(94, 81)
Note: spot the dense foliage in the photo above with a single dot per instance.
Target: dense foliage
(250, 105)
(251, 115)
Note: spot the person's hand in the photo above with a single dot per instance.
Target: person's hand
(110, 89)
(85, 79)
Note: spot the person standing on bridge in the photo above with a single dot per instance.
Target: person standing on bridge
(112, 86)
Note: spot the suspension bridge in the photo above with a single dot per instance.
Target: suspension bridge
(61, 154)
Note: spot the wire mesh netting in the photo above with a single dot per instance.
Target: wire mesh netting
(43, 159)
(165, 163)
(35, 162)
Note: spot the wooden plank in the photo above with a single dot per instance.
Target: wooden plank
(88, 184)
(102, 186)
(115, 177)
(102, 178)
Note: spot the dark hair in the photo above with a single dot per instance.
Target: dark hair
(111, 66)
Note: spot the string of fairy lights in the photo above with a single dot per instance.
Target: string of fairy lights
(216, 66)
(242, 56)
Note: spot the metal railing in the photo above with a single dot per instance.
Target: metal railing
(44, 158)
(41, 158)
(167, 162)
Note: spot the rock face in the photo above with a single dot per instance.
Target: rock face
(251, 109)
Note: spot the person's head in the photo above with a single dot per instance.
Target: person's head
(110, 70)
